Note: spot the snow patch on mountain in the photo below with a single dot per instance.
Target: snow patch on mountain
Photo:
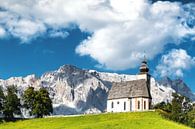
(78, 91)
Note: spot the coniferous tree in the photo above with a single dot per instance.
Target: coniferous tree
(180, 110)
(180, 107)
(177, 107)
(191, 117)
(2, 97)
(11, 105)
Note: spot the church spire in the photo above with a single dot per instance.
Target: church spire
(144, 67)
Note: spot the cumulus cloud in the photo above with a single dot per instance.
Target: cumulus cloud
(25, 29)
(120, 30)
(143, 27)
(175, 63)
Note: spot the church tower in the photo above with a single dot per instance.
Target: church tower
(144, 71)
(144, 67)
(144, 74)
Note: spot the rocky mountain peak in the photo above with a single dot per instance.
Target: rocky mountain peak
(68, 68)
(179, 86)
(74, 90)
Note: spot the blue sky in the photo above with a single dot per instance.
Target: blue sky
(37, 36)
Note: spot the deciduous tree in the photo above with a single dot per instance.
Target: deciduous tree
(29, 99)
(11, 105)
(38, 102)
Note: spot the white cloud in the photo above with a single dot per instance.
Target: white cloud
(2, 32)
(56, 33)
(174, 63)
(121, 30)
(25, 29)
(146, 27)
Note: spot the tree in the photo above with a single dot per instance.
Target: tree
(11, 105)
(180, 110)
(43, 103)
(191, 118)
(2, 97)
(181, 105)
(38, 102)
(165, 109)
(177, 107)
(164, 106)
(29, 99)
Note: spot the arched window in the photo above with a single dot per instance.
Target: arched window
(130, 104)
(138, 104)
(124, 105)
(112, 105)
(144, 104)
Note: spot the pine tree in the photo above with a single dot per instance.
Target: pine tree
(11, 105)
(191, 117)
(2, 97)
(181, 105)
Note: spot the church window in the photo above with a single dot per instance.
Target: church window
(130, 104)
(112, 105)
(144, 104)
(138, 105)
(124, 105)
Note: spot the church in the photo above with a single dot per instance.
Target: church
(131, 95)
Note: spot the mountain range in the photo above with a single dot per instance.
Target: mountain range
(79, 91)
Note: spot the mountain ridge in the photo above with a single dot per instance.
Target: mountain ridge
(179, 86)
(79, 91)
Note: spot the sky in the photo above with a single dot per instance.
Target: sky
(37, 36)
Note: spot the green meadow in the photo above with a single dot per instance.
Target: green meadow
(135, 120)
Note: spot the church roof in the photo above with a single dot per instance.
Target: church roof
(129, 89)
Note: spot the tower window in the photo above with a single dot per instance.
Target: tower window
(112, 105)
(118, 102)
(124, 105)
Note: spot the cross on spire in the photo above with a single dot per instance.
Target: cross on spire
(145, 59)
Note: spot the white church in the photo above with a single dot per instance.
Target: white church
(131, 95)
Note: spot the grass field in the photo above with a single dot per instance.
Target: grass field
(136, 120)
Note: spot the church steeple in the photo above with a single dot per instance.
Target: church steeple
(144, 67)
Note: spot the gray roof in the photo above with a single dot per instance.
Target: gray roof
(129, 89)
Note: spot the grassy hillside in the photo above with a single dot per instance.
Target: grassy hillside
(138, 120)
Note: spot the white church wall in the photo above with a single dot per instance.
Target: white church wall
(131, 105)
(140, 102)
(118, 105)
